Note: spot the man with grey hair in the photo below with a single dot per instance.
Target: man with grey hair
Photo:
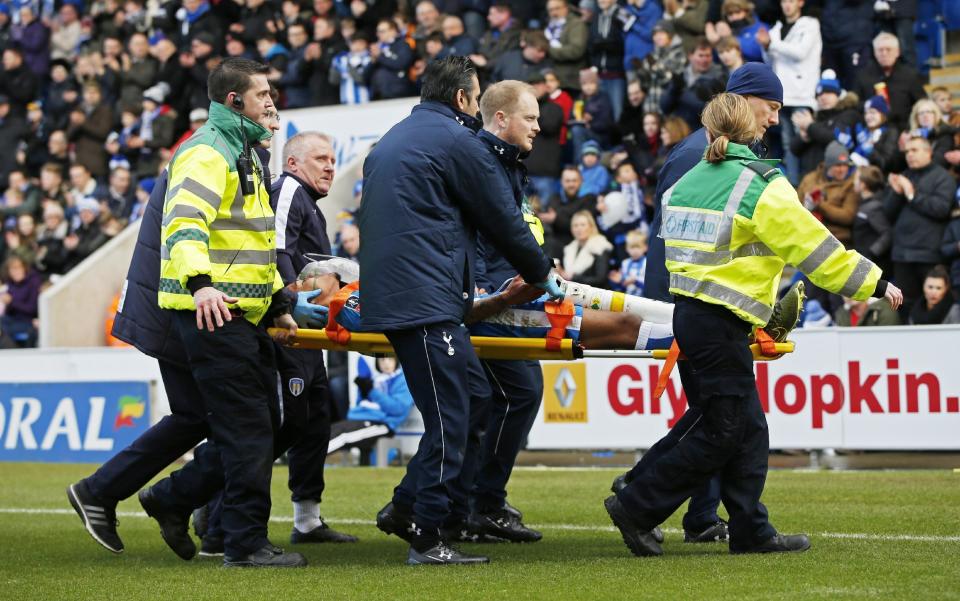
(308, 170)
(904, 84)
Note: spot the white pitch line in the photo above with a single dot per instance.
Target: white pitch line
(922, 538)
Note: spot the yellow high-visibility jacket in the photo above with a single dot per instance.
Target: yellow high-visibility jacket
(730, 227)
(210, 228)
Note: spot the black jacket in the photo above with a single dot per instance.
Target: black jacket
(872, 232)
(827, 124)
(139, 320)
(304, 227)
(493, 268)
(904, 87)
(429, 184)
(388, 75)
(918, 225)
(605, 44)
(950, 248)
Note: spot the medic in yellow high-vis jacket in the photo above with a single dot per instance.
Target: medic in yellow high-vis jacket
(729, 228)
(211, 231)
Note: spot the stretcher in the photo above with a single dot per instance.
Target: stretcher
(489, 347)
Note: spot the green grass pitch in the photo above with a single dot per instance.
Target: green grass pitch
(876, 535)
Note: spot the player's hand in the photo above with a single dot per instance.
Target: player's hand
(309, 315)
(894, 296)
(519, 292)
(287, 328)
(553, 285)
(212, 308)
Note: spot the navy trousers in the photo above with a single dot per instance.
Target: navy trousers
(517, 390)
(234, 368)
(444, 376)
(730, 435)
(166, 441)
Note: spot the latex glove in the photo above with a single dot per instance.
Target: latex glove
(364, 384)
(553, 285)
(309, 315)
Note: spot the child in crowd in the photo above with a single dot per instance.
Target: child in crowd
(596, 178)
(349, 70)
(633, 269)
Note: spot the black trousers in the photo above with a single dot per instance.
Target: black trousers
(517, 391)
(702, 509)
(166, 441)
(304, 435)
(235, 371)
(730, 436)
(444, 377)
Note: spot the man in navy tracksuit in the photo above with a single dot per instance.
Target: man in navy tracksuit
(510, 111)
(428, 185)
(764, 92)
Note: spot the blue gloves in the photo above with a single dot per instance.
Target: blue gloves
(553, 285)
(308, 315)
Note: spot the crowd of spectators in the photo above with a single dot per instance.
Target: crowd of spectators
(95, 95)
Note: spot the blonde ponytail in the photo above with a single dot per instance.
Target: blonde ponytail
(729, 118)
(717, 149)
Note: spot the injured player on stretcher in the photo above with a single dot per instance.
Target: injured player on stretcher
(599, 319)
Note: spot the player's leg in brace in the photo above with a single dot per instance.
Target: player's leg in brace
(598, 299)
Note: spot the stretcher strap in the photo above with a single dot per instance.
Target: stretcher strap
(335, 332)
(668, 366)
(559, 314)
(768, 346)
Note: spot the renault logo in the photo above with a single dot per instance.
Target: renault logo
(565, 387)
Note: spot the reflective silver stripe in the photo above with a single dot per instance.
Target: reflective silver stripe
(243, 257)
(249, 224)
(665, 199)
(719, 257)
(722, 293)
(858, 277)
(197, 189)
(182, 211)
(733, 203)
(819, 255)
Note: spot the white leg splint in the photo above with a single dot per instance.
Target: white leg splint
(608, 300)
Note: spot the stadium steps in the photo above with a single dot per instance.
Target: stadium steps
(948, 76)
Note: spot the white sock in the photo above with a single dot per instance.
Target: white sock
(306, 516)
(654, 336)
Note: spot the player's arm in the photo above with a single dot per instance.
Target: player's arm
(516, 293)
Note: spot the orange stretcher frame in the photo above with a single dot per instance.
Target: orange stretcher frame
(489, 347)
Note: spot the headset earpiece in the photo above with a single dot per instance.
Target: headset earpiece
(237, 101)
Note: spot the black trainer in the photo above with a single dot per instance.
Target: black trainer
(711, 534)
(503, 524)
(513, 511)
(98, 517)
(443, 554)
(211, 546)
(467, 531)
(174, 526)
(321, 534)
(781, 543)
(269, 556)
(619, 483)
(391, 520)
(201, 521)
(641, 543)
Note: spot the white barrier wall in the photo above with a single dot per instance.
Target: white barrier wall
(853, 388)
